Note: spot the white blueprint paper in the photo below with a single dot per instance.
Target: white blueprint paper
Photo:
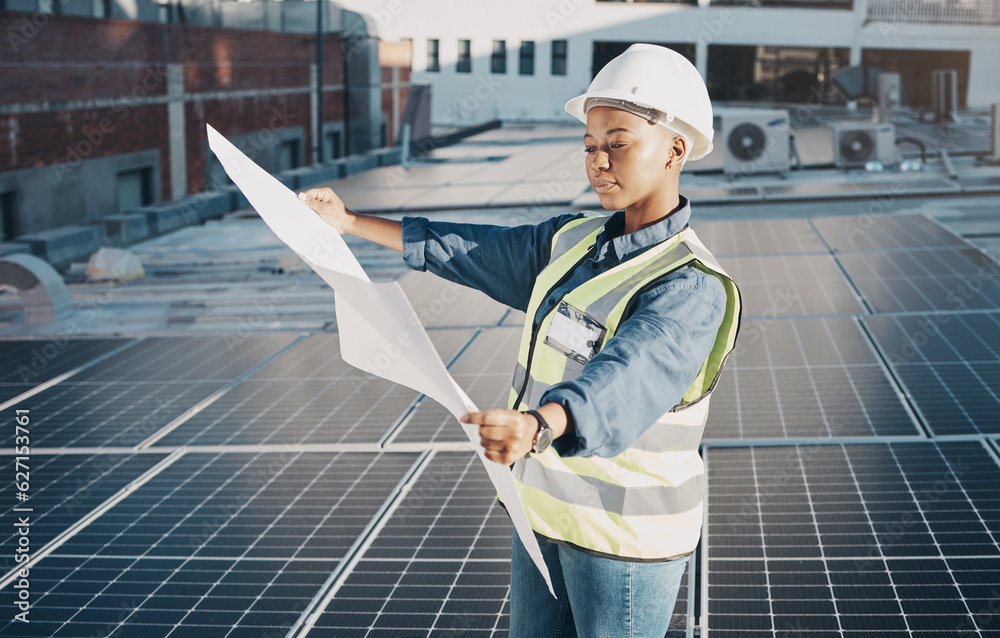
(379, 330)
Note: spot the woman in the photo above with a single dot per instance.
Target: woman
(629, 322)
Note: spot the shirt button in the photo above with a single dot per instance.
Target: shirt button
(550, 302)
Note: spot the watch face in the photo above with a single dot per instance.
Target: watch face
(544, 440)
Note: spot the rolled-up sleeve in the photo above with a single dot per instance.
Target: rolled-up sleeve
(645, 369)
(500, 261)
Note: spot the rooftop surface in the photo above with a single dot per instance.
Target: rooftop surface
(203, 463)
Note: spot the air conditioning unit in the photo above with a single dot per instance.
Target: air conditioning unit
(857, 143)
(754, 141)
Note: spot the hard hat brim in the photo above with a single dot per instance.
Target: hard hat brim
(577, 108)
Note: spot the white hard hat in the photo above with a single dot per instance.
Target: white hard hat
(656, 83)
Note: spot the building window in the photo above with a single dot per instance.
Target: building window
(8, 216)
(135, 189)
(288, 155)
(464, 64)
(527, 58)
(433, 57)
(559, 48)
(50, 7)
(332, 150)
(102, 8)
(498, 61)
(774, 74)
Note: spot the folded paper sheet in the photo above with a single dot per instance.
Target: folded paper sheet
(379, 330)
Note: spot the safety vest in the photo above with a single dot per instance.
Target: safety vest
(645, 503)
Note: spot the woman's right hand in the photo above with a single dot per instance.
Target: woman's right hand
(328, 206)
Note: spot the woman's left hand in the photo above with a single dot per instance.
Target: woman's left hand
(506, 435)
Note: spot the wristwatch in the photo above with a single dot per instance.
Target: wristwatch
(543, 438)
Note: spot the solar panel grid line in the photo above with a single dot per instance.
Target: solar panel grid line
(944, 228)
(190, 479)
(995, 537)
(289, 504)
(426, 534)
(288, 389)
(458, 574)
(215, 396)
(47, 509)
(874, 531)
(937, 359)
(992, 446)
(94, 515)
(897, 384)
(328, 592)
(812, 513)
(45, 385)
(389, 437)
(346, 564)
(923, 516)
(763, 544)
(840, 266)
(440, 446)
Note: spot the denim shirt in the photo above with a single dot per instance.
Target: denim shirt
(642, 371)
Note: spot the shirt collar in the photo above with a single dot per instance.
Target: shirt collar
(628, 245)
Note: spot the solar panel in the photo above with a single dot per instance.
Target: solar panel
(759, 237)
(484, 371)
(65, 488)
(169, 596)
(877, 537)
(791, 285)
(308, 394)
(440, 564)
(245, 505)
(885, 232)
(816, 377)
(949, 365)
(31, 362)
(925, 280)
(189, 358)
(128, 397)
(439, 302)
(214, 542)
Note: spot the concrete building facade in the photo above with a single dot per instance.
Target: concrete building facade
(521, 60)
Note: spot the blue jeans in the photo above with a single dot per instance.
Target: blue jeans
(598, 597)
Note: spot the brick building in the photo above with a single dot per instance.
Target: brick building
(99, 116)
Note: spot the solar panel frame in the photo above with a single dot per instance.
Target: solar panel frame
(868, 232)
(743, 597)
(948, 365)
(933, 279)
(32, 362)
(407, 581)
(308, 395)
(64, 488)
(792, 285)
(760, 237)
(484, 371)
(806, 378)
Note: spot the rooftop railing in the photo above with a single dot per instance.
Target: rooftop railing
(968, 12)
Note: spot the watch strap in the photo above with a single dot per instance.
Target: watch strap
(542, 425)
